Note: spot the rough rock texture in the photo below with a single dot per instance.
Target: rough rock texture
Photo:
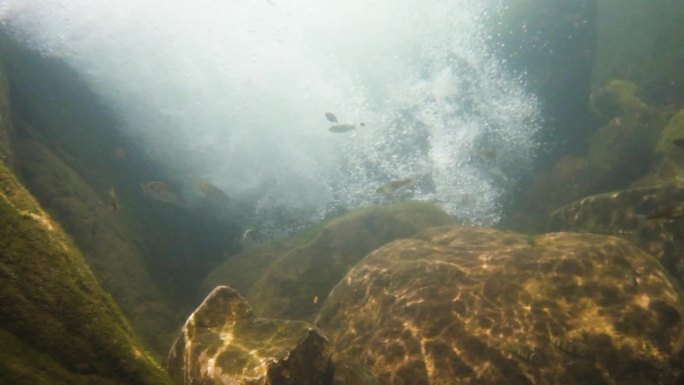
(624, 213)
(459, 305)
(293, 281)
(57, 325)
(223, 343)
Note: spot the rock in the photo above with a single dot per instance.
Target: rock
(223, 343)
(57, 325)
(622, 151)
(460, 305)
(292, 278)
(623, 213)
(102, 237)
(615, 99)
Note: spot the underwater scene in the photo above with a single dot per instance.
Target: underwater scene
(341, 192)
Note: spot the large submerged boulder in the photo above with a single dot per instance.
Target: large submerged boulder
(57, 325)
(462, 305)
(291, 278)
(222, 342)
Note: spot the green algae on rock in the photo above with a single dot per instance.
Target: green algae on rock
(462, 305)
(53, 309)
(292, 281)
(103, 238)
(223, 343)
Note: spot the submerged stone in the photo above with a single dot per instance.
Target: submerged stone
(223, 343)
(57, 325)
(291, 278)
(649, 216)
(461, 305)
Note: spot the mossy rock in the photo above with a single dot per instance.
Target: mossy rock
(293, 282)
(623, 148)
(224, 343)
(463, 305)
(57, 324)
(102, 236)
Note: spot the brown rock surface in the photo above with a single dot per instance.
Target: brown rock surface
(625, 213)
(460, 305)
(223, 343)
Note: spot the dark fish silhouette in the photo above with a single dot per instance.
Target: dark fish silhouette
(342, 128)
(331, 117)
(679, 142)
(528, 355)
(212, 192)
(566, 346)
(391, 187)
(569, 347)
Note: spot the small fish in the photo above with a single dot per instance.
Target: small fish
(615, 122)
(154, 187)
(113, 201)
(119, 154)
(632, 280)
(331, 117)
(159, 191)
(568, 347)
(342, 128)
(486, 153)
(679, 142)
(247, 234)
(212, 192)
(392, 187)
(528, 355)
(315, 299)
(670, 212)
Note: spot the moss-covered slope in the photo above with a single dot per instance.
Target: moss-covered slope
(293, 280)
(57, 325)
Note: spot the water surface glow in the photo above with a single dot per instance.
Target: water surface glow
(234, 92)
